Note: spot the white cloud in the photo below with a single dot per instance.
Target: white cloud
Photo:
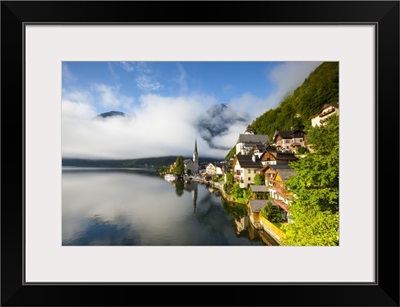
(110, 97)
(129, 67)
(147, 83)
(182, 79)
(159, 126)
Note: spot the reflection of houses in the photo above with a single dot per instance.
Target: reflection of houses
(248, 140)
(254, 208)
(260, 222)
(240, 224)
(326, 111)
(275, 178)
(273, 157)
(289, 139)
(245, 167)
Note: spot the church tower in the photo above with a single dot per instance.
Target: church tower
(195, 159)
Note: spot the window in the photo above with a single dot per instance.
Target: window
(287, 141)
(249, 171)
(255, 171)
(248, 179)
(301, 140)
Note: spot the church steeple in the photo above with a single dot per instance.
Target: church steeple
(195, 153)
(195, 158)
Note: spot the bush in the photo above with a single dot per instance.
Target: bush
(271, 213)
(302, 150)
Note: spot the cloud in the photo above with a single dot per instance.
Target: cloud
(182, 79)
(129, 67)
(147, 83)
(110, 97)
(158, 126)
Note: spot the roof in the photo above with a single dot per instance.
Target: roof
(253, 138)
(279, 155)
(335, 105)
(285, 171)
(279, 204)
(258, 188)
(289, 134)
(246, 161)
(257, 204)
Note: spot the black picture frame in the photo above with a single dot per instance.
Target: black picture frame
(383, 14)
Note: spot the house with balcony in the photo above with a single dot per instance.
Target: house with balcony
(272, 156)
(245, 167)
(289, 140)
(275, 179)
(326, 111)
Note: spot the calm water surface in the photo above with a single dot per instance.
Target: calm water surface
(135, 207)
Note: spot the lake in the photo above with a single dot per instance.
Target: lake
(103, 206)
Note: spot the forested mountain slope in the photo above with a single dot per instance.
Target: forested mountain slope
(321, 87)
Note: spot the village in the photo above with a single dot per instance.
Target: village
(258, 169)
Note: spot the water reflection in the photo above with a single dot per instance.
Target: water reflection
(135, 207)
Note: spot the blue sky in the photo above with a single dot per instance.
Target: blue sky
(168, 105)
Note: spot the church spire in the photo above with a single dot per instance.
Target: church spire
(195, 158)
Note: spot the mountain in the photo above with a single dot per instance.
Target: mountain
(217, 120)
(319, 88)
(154, 162)
(111, 114)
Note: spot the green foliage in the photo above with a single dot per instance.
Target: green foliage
(236, 191)
(179, 166)
(301, 150)
(312, 227)
(229, 178)
(321, 87)
(259, 179)
(271, 213)
(231, 153)
(315, 210)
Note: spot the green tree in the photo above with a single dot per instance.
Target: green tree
(259, 179)
(236, 191)
(179, 166)
(315, 210)
(271, 213)
(229, 178)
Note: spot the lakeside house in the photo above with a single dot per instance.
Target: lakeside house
(272, 156)
(275, 179)
(245, 167)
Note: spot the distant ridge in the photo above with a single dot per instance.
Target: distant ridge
(111, 114)
(155, 162)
